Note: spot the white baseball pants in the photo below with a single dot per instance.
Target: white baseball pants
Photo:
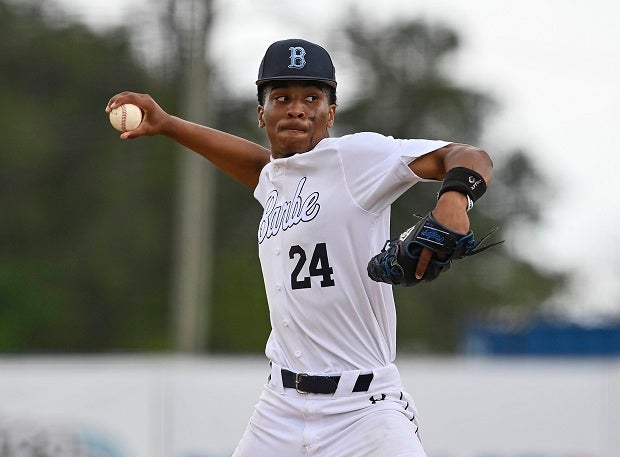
(379, 423)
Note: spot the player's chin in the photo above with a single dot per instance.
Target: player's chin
(290, 148)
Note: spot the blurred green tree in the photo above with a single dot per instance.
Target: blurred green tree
(406, 91)
(84, 226)
(86, 222)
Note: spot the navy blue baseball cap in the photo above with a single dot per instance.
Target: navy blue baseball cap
(296, 59)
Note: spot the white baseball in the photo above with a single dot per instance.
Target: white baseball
(126, 117)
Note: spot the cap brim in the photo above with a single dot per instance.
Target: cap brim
(329, 82)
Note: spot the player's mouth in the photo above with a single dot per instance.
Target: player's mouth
(293, 128)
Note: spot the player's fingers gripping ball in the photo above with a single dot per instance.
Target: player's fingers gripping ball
(126, 117)
(396, 263)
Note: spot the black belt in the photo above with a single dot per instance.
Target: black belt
(309, 384)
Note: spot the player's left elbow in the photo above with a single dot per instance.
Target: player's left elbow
(479, 160)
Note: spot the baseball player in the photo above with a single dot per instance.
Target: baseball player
(333, 389)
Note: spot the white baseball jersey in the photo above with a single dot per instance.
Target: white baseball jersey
(326, 213)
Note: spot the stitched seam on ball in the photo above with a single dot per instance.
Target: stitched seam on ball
(124, 117)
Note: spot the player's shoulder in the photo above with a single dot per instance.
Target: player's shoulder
(359, 140)
(376, 146)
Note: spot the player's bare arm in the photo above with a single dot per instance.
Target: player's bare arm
(451, 207)
(238, 157)
(435, 164)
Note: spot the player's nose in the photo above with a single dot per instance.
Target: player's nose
(296, 109)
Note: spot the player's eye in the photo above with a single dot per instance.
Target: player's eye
(312, 98)
(281, 98)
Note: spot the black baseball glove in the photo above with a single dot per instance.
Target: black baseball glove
(397, 261)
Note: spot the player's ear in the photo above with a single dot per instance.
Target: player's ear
(261, 121)
(332, 116)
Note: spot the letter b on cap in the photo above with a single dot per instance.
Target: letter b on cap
(298, 59)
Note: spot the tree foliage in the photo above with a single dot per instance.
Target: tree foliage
(406, 93)
(84, 231)
(404, 86)
(86, 221)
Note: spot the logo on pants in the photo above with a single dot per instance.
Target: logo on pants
(374, 399)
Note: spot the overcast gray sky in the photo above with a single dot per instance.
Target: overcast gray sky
(554, 67)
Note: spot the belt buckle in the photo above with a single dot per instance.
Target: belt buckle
(298, 377)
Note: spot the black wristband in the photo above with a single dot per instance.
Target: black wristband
(465, 181)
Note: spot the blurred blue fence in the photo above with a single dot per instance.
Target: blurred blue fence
(543, 337)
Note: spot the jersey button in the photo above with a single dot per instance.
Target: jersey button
(297, 353)
(276, 251)
(285, 322)
(278, 287)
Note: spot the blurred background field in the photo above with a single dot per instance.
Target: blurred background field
(120, 259)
